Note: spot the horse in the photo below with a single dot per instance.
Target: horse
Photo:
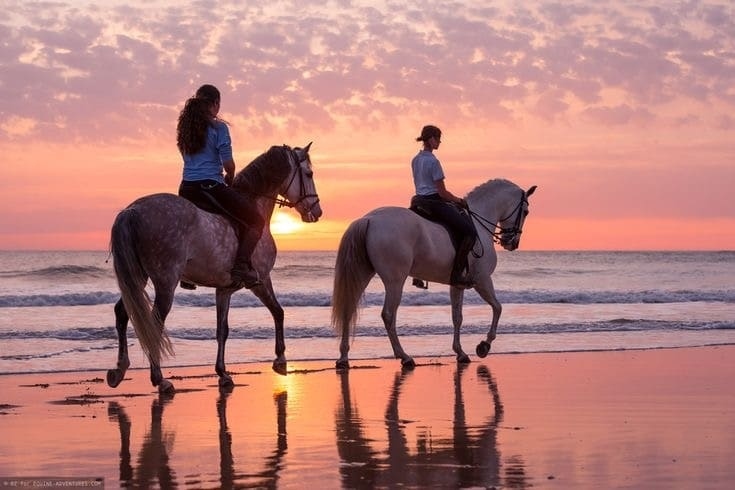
(395, 243)
(167, 239)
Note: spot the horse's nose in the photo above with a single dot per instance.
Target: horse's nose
(312, 216)
(509, 243)
(314, 213)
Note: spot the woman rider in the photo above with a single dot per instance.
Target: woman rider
(204, 142)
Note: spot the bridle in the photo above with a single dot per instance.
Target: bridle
(495, 230)
(282, 202)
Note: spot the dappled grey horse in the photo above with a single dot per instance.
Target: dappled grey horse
(166, 238)
(396, 243)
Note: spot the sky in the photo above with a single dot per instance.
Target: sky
(622, 113)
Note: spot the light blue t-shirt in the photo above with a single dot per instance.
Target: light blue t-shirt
(207, 164)
(426, 171)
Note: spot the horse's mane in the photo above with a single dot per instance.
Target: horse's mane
(264, 174)
(488, 186)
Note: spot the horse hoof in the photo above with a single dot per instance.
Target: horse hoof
(342, 364)
(280, 367)
(166, 387)
(408, 363)
(482, 349)
(463, 359)
(226, 382)
(114, 377)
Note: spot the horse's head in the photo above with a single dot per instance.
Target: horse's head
(511, 227)
(300, 189)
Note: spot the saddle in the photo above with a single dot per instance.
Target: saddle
(210, 205)
(456, 238)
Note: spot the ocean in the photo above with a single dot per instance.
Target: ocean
(56, 310)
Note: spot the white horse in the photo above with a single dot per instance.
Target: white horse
(396, 243)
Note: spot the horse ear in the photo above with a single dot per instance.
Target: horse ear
(530, 190)
(306, 149)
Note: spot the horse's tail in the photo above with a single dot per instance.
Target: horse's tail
(131, 279)
(352, 273)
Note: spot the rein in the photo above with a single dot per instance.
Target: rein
(495, 230)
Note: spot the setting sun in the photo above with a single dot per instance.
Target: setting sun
(284, 224)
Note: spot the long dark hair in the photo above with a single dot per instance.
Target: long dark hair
(194, 119)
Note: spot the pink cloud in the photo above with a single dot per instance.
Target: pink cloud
(618, 115)
(537, 90)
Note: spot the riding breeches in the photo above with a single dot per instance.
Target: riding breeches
(436, 209)
(215, 197)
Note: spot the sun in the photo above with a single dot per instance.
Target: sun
(284, 224)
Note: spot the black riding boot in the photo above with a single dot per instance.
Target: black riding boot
(244, 276)
(242, 273)
(461, 264)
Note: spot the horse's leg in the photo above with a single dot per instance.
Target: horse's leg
(457, 296)
(161, 308)
(398, 449)
(116, 413)
(393, 292)
(115, 376)
(344, 350)
(223, 331)
(487, 292)
(267, 296)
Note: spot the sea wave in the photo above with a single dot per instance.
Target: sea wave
(305, 270)
(422, 298)
(89, 334)
(66, 272)
(64, 299)
(56, 354)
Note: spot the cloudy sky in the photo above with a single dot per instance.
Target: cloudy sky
(623, 113)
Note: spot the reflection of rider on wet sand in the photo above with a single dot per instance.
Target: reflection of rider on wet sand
(269, 476)
(465, 460)
(153, 461)
(352, 444)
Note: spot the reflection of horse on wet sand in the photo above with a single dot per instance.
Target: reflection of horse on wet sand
(165, 238)
(153, 467)
(469, 458)
(153, 461)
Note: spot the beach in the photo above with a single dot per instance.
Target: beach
(659, 418)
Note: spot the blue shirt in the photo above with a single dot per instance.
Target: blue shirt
(207, 164)
(426, 172)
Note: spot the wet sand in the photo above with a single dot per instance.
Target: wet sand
(628, 419)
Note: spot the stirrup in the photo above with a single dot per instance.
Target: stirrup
(461, 281)
(245, 279)
(463, 284)
(420, 283)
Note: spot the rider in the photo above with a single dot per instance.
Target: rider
(433, 198)
(204, 142)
